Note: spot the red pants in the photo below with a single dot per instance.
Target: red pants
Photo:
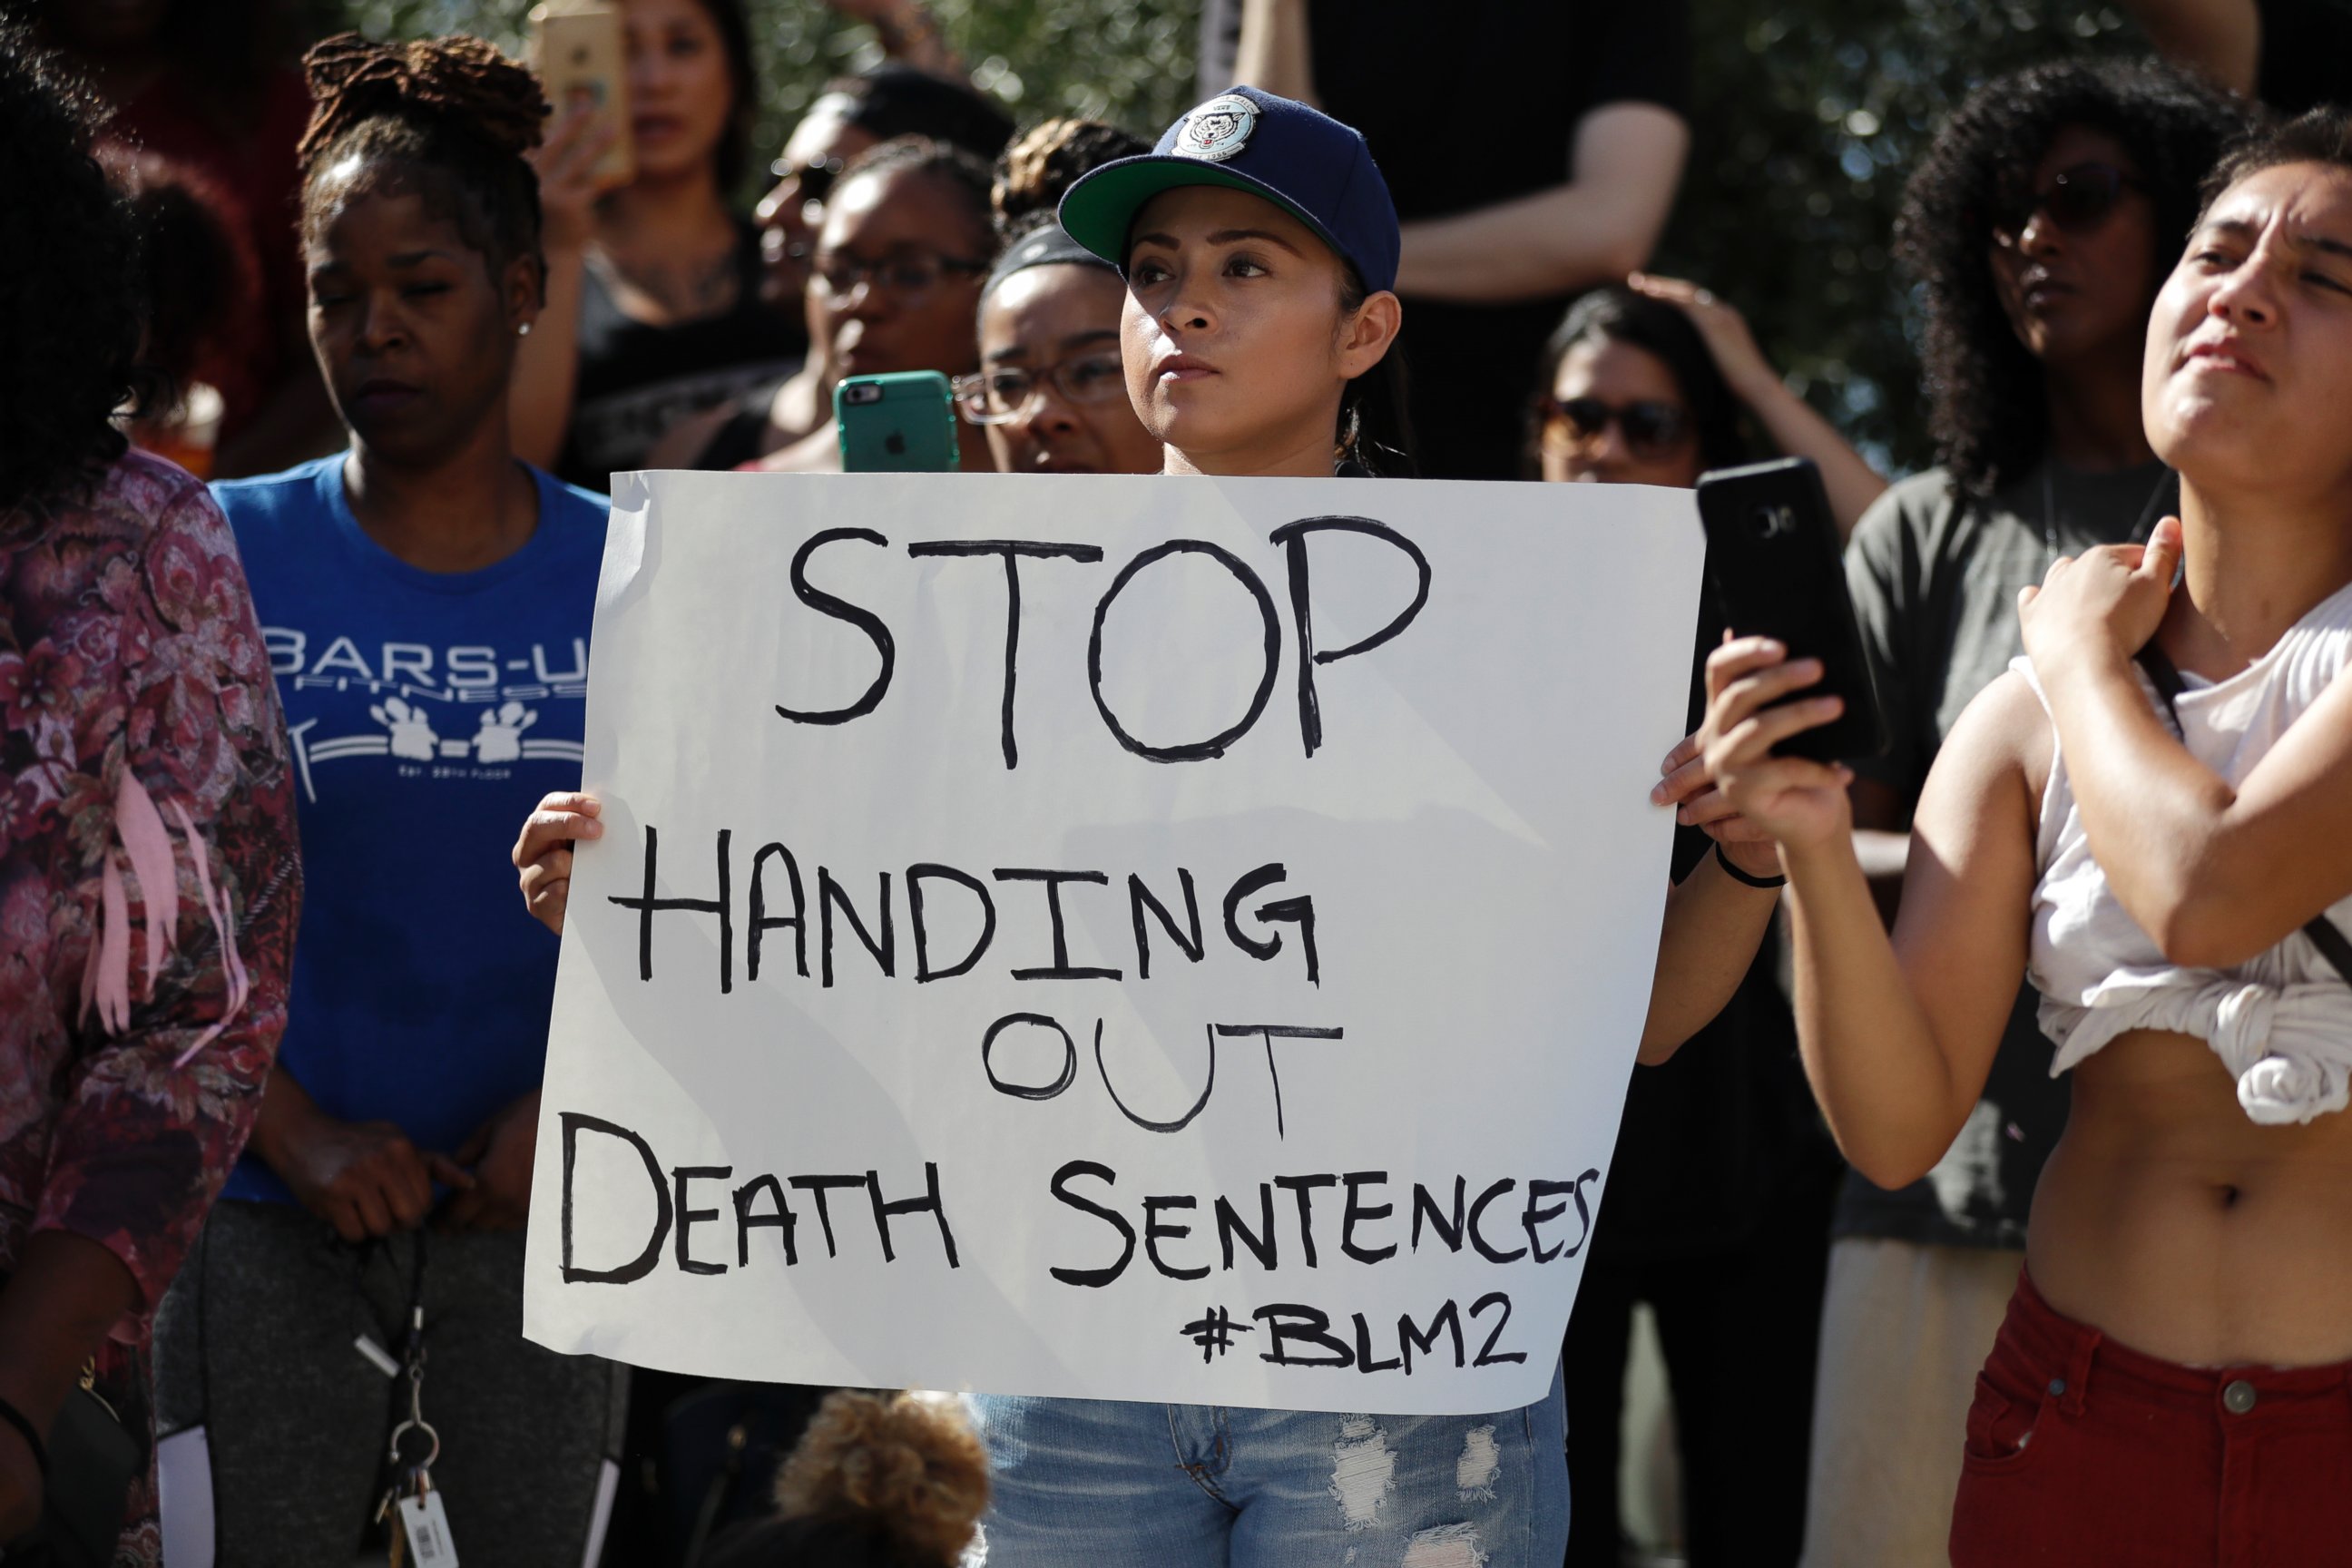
(2081, 1452)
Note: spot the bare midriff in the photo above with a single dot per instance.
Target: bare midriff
(2172, 1222)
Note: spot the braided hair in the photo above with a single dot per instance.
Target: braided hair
(451, 107)
(1044, 162)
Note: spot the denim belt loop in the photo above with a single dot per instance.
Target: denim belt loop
(2078, 1370)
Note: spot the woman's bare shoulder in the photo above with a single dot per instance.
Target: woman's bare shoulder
(2002, 741)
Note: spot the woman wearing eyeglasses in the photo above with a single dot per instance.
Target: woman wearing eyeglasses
(896, 279)
(1719, 1215)
(2040, 224)
(1050, 394)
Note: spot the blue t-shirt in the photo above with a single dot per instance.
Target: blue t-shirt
(429, 713)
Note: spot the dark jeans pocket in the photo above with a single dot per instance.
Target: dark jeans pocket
(2005, 1421)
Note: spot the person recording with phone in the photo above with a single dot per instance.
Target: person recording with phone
(1718, 1211)
(851, 117)
(654, 307)
(2040, 224)
(899, 263)
(2147, 816)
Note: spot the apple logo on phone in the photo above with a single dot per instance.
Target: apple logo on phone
(895, 444)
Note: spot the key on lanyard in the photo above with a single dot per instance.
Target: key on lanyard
(423, 1525)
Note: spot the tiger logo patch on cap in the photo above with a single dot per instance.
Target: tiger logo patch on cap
(1218, 129)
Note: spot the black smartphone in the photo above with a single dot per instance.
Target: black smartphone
(1773, 556)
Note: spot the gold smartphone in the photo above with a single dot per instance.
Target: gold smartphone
(583, 61)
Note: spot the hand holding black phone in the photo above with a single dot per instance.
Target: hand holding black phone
(1772, 555)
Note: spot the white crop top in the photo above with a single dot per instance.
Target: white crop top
(2281, 1021)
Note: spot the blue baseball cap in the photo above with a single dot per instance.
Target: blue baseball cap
(1300, 159)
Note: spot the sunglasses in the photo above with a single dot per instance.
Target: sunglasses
(816, 177)
(2078, 200)
(1652, 430)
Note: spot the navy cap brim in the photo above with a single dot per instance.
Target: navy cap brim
(1100, 210)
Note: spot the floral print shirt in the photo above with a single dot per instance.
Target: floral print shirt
(149, 880)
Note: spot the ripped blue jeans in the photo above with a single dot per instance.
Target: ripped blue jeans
(1096, 1483)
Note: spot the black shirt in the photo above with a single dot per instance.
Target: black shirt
(1715, 1140)
(1467, 104)
(637, 381)
(2305, 54)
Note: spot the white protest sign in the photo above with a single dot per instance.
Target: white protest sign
(1144, 938)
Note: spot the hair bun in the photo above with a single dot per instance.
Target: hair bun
(463, 79)
(910, 1466)
(1046, 160)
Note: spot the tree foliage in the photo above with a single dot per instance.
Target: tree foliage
(1807, 116)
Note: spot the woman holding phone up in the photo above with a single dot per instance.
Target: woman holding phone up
(1257, 327)
(2150, 816)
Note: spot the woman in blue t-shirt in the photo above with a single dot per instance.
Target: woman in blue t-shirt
(426, 598)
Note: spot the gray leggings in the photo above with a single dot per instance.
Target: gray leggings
(253, 1344)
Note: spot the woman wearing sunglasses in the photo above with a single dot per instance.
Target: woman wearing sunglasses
(1718, 1217)
(1630, 399)
(2039, 226)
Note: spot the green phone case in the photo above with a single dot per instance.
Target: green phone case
(899, 424)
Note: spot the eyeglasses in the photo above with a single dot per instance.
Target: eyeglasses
(1002, 396)
(2079, 199)
(1652, 429)
(909, 276)
(816, 177)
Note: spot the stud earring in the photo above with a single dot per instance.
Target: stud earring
(523, 330)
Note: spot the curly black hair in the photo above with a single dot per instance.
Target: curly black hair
(454, 108)
(70, 292)
(1987, 408)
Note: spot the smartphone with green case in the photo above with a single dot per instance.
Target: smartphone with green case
(903, 423)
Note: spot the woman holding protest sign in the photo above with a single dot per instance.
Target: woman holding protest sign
(426, 600)
(1257, 307)
(2146, 817)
